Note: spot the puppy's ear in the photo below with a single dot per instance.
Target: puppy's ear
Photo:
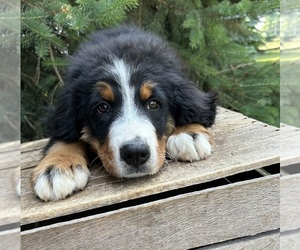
(194, 106)
(63, 122)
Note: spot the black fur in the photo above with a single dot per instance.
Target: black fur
(153, 59)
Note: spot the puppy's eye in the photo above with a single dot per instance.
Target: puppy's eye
(153, 104)
(102, 108)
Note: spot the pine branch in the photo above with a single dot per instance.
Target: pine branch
(243, 65)
(61, 81)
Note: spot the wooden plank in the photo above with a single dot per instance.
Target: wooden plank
(10, 239)
(10, 159)
(238, 148)
(289, 145)
(9, 201)
(181, 222)
(269, 240)
(9, 146)
(34, 145)
(290, 202)
(290, 241)
(9, 154)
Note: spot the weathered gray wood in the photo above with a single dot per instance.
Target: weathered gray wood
(10, 155)
(265, 241)
(290, 202)
(9, 201)
(290, 241)
(289, 145)
(181, 222)
(10, 239)
(34, 145)
(242, 144)
(9, 146)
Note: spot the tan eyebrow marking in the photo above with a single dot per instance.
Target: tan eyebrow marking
(105, 91)
(146, 90)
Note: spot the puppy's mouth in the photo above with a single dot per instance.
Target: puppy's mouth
(133, 158)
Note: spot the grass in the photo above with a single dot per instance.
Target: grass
(271, 52)
(290, 82)
(268, 56)
(290, 51)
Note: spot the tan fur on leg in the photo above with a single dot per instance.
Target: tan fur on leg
(61, 172)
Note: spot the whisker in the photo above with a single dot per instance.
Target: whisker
(172, 157)
(94, 160)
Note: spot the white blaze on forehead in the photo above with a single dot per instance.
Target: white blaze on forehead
(131, 123)
(122, 73)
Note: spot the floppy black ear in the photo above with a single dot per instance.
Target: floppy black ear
(63, 123)
(194, 106)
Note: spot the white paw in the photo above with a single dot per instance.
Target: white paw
(56, 183)
(189, 147)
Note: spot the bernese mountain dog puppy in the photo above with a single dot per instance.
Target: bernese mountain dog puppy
(128, 99)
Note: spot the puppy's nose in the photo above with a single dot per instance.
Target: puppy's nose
(135, 154)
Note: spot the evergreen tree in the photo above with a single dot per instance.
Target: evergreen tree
(51, 30)
(214, 38)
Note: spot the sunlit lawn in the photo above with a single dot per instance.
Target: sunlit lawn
(290, 82)
(270, 52)
(268, 56)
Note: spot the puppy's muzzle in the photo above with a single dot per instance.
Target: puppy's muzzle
(135, 153)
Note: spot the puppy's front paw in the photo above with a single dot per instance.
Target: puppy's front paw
(60, 174)
(190, 143)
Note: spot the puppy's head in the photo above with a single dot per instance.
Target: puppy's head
(125, 94)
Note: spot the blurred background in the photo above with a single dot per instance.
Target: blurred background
(290, 63)
(231, 47)
(9, 70)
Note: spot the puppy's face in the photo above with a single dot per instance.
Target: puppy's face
(126, 90)
(128, 122)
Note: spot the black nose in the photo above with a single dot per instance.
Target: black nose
(135, 154)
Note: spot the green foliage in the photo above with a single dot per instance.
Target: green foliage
(214, 38)
(9, 70)
(218, 40)
(50, 31)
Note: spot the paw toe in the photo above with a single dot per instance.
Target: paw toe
(55, 183)
(202, 146)
(189, 146)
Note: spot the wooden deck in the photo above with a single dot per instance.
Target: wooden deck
(9, 201)
(232, 194)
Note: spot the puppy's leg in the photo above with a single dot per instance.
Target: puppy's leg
(190, 142)
(62, 171)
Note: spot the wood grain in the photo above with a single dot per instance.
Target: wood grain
(10, 155)
(242, 144)
(289, 145)
(9, 201)
(10, 239)
(290, 202)
(265, 241)
(181, 222)
(290, 241)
